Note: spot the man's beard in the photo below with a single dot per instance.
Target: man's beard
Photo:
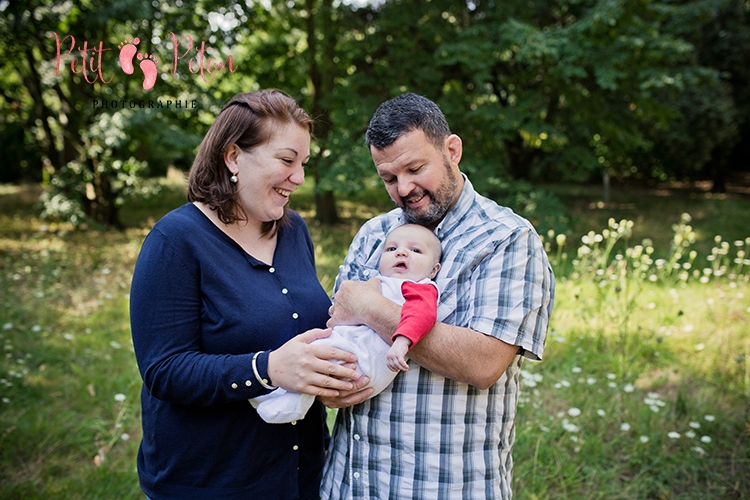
(440, 201)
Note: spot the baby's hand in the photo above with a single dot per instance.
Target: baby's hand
(396, 356)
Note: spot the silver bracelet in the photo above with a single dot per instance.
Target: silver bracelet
(262, 381)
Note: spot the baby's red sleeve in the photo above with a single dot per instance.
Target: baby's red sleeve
(419, 312)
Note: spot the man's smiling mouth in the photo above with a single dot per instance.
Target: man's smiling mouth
(414, 199)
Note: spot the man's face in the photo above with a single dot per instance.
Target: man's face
(421, 179)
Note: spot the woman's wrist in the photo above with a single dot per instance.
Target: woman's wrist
(260, 369)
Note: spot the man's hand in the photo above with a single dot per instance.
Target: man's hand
(350, 301)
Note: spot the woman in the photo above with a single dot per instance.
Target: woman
(224, 304)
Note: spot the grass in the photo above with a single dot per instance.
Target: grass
(643, 392)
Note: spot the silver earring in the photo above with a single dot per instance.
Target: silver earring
(233, 179)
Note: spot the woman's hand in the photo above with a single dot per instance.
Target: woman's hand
(356, 395)
(302, 367)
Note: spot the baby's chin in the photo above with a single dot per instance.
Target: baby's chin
(400, 272)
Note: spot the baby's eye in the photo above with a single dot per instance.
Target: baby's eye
(390, 249)
(416, 250)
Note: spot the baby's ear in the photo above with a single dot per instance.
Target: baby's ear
(435, 270)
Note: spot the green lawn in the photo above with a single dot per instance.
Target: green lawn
(643, 392)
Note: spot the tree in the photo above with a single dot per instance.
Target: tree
(84, 113)
(538, 91)
(713, 129)
(322, 74)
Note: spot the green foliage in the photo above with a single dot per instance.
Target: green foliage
(126, 180)
(537, 91)
(545, 92)
(543, 209)
(93, 154)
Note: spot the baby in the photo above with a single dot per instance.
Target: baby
(410, 260)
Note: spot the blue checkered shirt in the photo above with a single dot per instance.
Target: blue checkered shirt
(426, 436)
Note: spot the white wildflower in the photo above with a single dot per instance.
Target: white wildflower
(570, 427)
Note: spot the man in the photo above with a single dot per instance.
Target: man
(445, 429)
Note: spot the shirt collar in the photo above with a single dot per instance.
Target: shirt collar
(456, 214)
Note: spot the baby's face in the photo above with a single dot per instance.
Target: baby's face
(410, 252)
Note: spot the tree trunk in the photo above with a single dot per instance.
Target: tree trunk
(102, 208)
(520, 158)
(717, 168)
(322, 80)
(325, 208)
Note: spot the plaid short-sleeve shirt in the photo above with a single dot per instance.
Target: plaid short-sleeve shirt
(426, 436)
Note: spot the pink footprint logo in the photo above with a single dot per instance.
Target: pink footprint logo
(127, 51)
(148, 66)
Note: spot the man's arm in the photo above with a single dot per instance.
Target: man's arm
(458, 353)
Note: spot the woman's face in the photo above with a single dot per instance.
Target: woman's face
(270, 172)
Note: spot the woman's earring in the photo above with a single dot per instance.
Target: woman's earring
(233, 179)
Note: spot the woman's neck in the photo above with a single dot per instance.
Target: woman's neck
(247, 234)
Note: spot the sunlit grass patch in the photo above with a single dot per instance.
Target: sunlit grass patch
(644, 389)
(66, 354)
(643, 392)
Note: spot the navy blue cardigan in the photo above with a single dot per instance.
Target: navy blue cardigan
(200, 308)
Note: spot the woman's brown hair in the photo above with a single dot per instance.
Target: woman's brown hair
(247, 120)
